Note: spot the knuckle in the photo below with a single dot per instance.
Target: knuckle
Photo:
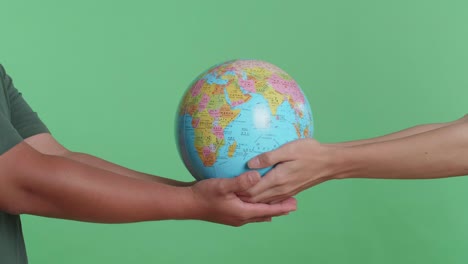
(293, 147)
(278, 176)
(265, 158)
(242, 182)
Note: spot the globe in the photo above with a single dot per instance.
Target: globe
(235, 111)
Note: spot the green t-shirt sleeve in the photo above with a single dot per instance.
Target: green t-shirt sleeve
(9, 137)
(26, 122)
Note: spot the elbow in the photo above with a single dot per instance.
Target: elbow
(14, 208)
(16, 201)
(19, 199)
(22, 172)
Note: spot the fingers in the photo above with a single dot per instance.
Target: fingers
(270, 158)
(278, 194)
(266, 210)
(259, 219)
(269, 181)
(278, 200)
(270, 196)
(240, 183)
(289, 202)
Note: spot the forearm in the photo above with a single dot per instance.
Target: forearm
(438, 153)
(396, 135)
(72, 190)
(106, 165)
(400, 134)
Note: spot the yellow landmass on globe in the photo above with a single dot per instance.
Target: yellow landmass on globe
(218, 89)
(212, 89)
(207, 159)
(273, 98)
(207, 146)
(227, 115)
(258, 72)
(206, 120)
(190, 104)
(236, 96)
(232, 149)
(216, 101)
(217, 110)
(228, 77)
(298, 130)
(297, 107)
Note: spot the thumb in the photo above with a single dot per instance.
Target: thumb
(240, 183)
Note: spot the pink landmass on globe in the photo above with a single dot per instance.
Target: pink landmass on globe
(214, 113)
(197, 87)
(287, 87)
(207, 150)
(203, 102)
(248, 85)
(218, 131)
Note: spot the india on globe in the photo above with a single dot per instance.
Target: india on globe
(235, 111)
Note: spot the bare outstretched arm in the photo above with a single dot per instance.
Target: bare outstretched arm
(400, 134)
(47, 144)
(48, 185)
(430, 152)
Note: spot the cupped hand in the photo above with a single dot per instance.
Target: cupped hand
(217, 201)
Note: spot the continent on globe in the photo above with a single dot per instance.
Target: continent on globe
(237, 110)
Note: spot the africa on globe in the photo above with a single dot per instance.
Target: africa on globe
(235, 111)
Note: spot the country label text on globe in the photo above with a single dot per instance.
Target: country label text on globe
(235, 111)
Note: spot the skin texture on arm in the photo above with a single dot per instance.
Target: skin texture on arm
(46, 144)
(438, 153)
(399, 134)
(53, 186)
(434, 153)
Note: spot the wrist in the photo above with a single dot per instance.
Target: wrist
(345, 163)
(191, 207)
(185, 207)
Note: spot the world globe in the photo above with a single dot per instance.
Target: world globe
(235, 111)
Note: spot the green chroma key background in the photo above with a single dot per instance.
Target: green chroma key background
(107, 76)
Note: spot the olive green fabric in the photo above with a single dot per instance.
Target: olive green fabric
(17, 122)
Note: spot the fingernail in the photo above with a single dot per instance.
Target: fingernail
(253, 163)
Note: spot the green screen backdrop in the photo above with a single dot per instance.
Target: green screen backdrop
(106, 77)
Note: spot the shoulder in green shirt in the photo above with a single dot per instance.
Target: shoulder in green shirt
(17, 122)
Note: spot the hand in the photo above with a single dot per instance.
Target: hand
(299, 164)
(217, 201)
